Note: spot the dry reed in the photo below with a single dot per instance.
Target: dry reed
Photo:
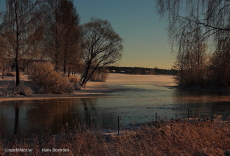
(175, 137)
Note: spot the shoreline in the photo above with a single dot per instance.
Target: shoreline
(47, 96)
(93, 89)
(102, 89)
(87, 92)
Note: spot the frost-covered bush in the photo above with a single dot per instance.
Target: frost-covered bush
(73, 79)
(48, 81)
(23, 90)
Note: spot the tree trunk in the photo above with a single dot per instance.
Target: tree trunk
(16, 118)
(87, 78)
(64, 70)
(65, 60)
(17, 72)
(68, 72)
(17, 47)
(84, 77)
(3, 72)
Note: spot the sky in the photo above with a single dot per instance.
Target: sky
(137, 22)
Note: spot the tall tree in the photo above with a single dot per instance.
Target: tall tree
(21, 30)
(62, 37)
(203, 21)
(191, 60)
(220, 63)
(212, 15)
(102, 47)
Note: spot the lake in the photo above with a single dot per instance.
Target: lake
(134, 98)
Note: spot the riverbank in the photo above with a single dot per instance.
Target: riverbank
(92, 89)
(175, 137)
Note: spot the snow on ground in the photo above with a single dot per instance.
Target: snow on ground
(167, 79)
(96, 88)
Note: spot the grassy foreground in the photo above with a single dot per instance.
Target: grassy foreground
(176, 137)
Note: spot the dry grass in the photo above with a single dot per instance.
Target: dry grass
(9, 89)
(161, 139)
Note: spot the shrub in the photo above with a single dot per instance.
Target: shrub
(4, 88)
(46, 80)
(23, 90)
(73, 79)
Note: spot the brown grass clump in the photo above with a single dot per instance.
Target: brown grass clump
(171, 138)
(48, 81)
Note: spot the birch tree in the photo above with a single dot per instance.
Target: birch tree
(220, 63)
(210, 17)
(21, 30)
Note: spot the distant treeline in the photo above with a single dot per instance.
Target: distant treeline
(141, 71)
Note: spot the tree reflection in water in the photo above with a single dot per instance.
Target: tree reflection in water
(24, 118)
(16, 107)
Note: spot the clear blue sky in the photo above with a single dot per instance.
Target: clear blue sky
(137, 22)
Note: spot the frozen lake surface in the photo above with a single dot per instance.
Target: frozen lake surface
(135, 98)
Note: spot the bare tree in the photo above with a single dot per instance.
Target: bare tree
(220, 63)
(71, 34)
(2, 57)
(213, 15)
(21, 30)
(191, 60)
(102, 47)
(192, 24)
(62, 37)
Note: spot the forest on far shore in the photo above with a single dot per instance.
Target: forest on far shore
(141, 70)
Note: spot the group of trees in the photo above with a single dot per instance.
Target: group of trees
(195, 27)
(49, 30)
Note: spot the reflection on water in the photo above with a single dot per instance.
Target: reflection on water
(31, 117)
(134, 103)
